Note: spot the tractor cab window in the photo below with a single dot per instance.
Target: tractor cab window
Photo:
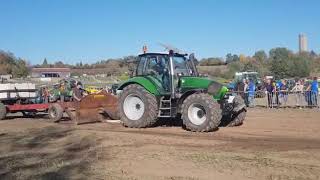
(181, 66)
(157, 66)
(141, 65)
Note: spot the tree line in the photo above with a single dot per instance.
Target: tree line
(9, 64)
(109, 63)
(279, 62)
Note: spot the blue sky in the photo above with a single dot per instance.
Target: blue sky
(87, 31)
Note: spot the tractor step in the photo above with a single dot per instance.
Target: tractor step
(166, 101)
(165, 107)
(164, 116)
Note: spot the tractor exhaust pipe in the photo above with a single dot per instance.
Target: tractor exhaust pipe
(192, 60)
(172, 76)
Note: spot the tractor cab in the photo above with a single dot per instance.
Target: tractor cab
(166, 69)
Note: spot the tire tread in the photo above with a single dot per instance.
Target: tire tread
(214, 111)
(151, 113)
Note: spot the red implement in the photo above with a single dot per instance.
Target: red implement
(89, 109)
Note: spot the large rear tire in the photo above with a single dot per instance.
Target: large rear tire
(55, 112)
(137, 107)
(3, 111)
(201, 113)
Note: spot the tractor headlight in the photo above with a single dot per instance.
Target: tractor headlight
(214, 88)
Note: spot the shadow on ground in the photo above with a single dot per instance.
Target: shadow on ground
(168, 122)
(49, 153)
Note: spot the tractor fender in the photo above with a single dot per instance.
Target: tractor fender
(144, 82)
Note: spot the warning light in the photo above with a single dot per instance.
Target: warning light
(171, 52)
(144, 49)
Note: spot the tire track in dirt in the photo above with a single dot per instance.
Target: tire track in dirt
(252, 142)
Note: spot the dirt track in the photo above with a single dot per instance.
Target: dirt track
(272, 145)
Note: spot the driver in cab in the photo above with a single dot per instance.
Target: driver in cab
(159, 67)
(161, 70)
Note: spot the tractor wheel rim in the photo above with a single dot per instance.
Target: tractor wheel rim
(197, 114)
(133, 107)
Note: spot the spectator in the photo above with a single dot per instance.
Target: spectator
(251, 93)
(45, 94)
(277, 92)
(245, 90)
(240, 88)
(298, 90)
(313, 92)
(62, 90)
(270, 92)
(77, 92)
(307, 91)
(283, 92)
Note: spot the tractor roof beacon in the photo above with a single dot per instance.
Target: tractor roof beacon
(168, 85)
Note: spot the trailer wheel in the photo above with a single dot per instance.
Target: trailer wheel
(3, 111)
(55, 112)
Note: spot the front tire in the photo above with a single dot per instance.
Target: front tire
(238, 118)
(137, 107)
(201, 113)
(235, 118)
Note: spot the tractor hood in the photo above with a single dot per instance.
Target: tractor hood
(195, 82)
(214, 88)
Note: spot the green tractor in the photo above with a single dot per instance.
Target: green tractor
(168, 85)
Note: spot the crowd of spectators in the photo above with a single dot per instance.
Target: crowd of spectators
(306, 91)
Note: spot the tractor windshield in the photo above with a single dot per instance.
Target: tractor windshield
(181, 66)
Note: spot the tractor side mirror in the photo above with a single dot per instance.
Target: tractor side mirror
(193, 62)
(193, 59)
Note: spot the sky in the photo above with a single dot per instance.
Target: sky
(91, 30)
